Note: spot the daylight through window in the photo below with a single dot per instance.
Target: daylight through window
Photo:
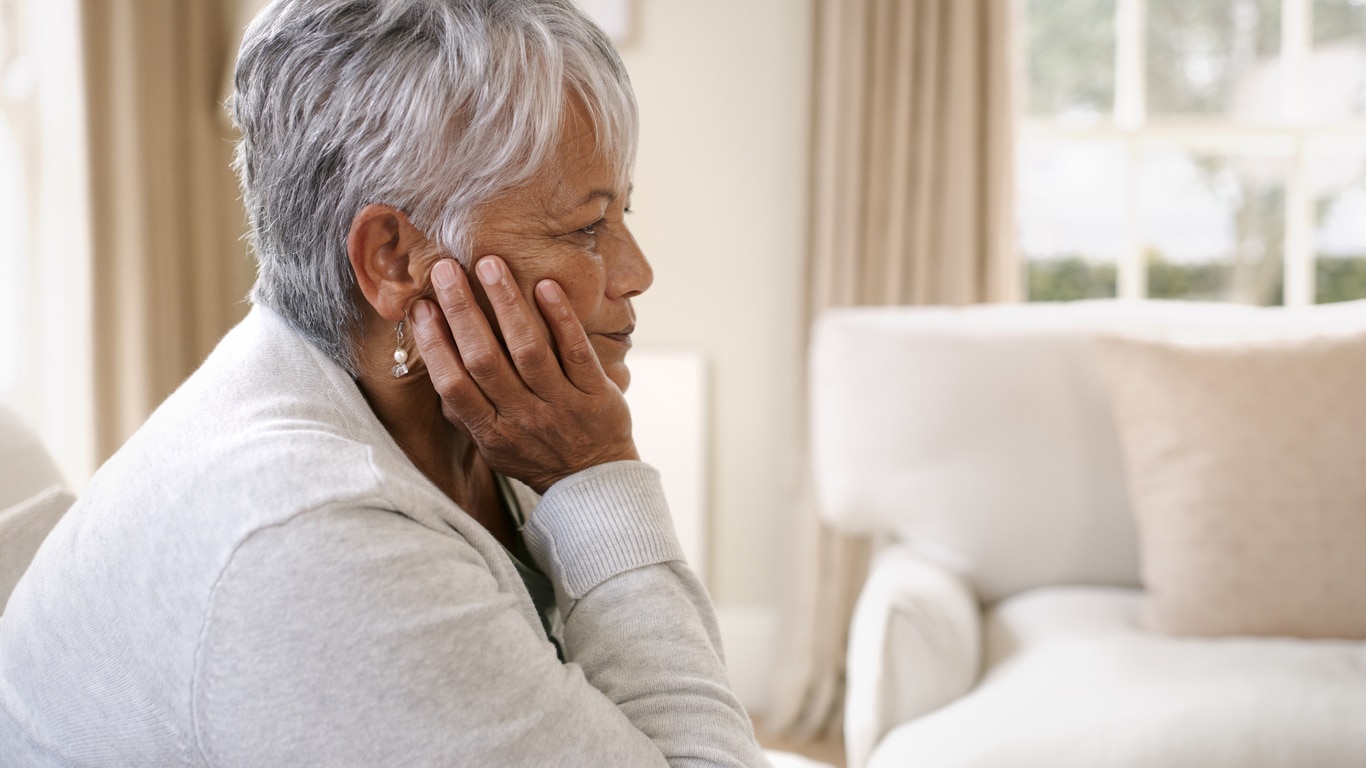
(1194, 149)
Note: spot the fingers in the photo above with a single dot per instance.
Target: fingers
(449, 377)
(525, 337)
(475, 342)
(469, 366)
(577, 358)
(526, 343)
(463, 356)
(534, 416)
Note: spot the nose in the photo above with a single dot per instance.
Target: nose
(629, 274)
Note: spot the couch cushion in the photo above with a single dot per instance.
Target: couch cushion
(23, 527)
(1072, 680)
(1245, 468)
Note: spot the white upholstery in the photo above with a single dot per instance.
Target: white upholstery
(23, 527)
(974, 432)
(980, 440)
(915, 646)
(1073, 682)
(25, 465)
(32, 498)
(778, 759)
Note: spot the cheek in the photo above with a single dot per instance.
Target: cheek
(581, 278)
(583, 302)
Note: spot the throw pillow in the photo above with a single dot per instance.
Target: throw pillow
(1246, 464)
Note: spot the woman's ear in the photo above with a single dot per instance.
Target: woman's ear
(386, 253)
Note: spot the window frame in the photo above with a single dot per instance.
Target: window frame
(1130, 126)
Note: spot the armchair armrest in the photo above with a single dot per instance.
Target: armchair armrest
(915, 644)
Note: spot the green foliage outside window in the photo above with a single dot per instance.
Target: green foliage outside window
(1341, 279)
(1073, 277)
(1070, 278)
(1200, 281)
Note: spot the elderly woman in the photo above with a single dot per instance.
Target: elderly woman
(397, 517)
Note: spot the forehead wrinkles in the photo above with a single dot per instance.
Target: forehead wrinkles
(580, 173)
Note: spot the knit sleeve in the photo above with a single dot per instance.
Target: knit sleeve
(637, 620)
(354, 637)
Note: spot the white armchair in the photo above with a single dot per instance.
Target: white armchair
(1000, 624)
(32, 499)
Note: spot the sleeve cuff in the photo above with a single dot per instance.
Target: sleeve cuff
(598, 523)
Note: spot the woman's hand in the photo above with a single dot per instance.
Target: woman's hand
(535, 416)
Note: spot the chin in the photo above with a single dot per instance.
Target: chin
(619, 374)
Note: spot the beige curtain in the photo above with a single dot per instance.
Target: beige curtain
(170, 271)
(910, 204)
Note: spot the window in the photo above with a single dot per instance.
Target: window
(1194, 149)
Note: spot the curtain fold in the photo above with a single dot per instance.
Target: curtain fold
(911, 203)
(169, 268)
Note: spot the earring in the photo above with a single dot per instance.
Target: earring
(400, 354)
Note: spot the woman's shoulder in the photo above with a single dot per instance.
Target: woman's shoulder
(266, 426)
(266, 430)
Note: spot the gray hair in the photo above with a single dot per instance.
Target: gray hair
(431, 106)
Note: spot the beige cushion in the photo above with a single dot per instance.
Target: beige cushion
(23, 528)
(1246, 464)
(25, 466)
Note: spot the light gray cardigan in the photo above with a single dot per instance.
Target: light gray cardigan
(261, 578)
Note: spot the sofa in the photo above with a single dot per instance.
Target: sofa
(33, 497)
(1107, 533)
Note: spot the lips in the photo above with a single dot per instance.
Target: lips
(622, 337)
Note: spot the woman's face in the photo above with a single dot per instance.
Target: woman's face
(568, 224)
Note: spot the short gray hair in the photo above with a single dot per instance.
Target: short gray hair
(431, 106)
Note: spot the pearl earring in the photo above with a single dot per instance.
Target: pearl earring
(400, 354)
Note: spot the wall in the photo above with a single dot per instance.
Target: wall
(724, 93)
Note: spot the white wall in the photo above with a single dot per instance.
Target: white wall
(724, 92)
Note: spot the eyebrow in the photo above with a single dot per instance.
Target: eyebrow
(596, 194)
(607, 194)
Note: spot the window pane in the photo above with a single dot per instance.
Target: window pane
(1336, 21)
(1213, 57)
(1337, 176)
(1337, 64)
(1214, 223)
(1070, 47)
(1072, 217)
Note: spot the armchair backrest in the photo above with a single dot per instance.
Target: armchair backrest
(982, 436)
(25, 465)
(33, 498)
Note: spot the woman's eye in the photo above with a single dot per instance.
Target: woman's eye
(591, 229)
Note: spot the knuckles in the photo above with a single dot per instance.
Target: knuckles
(482, 362)
(531, 354)
(578, 354)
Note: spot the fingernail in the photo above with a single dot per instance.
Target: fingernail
(443, 274)
(422, 311)
(488, 271)
(549, 291)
